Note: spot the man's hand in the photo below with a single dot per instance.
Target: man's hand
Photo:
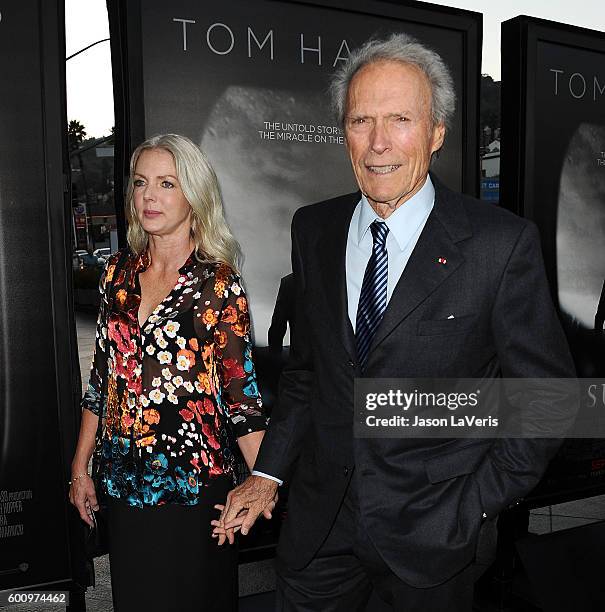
(256, 496)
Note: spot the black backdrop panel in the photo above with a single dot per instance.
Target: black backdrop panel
(553, 171)
(247, 81)
(37, 383)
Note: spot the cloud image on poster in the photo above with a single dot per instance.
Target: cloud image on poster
(581, 225)
(265, 145)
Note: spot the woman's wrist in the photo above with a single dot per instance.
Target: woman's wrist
(78, 476)
(78, 468)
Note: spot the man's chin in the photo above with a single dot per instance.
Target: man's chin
(383, 199)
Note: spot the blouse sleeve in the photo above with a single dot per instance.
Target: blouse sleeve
(98, 370)
(240, 395)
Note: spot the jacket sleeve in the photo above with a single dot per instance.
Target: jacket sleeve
(290, 419)
(530, 344)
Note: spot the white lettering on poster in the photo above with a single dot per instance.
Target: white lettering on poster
(211, 46)
(578, 85)
(221, 40)
(11, 504)
(314, 49)
(184, 22)
(341, 58)
(301, 132)
(260, 45)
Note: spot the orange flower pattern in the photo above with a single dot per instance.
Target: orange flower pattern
(179, 390)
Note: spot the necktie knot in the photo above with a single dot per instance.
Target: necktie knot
(380, 231)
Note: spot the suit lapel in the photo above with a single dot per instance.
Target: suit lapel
(435, 257)
(333, 248)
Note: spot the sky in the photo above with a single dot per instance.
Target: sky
(89, 85)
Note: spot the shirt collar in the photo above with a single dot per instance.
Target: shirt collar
(405, 220)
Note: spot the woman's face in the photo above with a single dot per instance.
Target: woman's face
(160, 204)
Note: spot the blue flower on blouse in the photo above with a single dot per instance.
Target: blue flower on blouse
(251, 389)
(248, 363)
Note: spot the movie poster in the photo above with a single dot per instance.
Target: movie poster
(570, 181)
(38, 417)
(247, 81)
(553, 172)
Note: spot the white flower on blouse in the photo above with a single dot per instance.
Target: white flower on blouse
(156, 396)
(166, 373)
(169, 387)
(150, 349)
(177, 381)
(144, 401)
(182, 363)
(157, 332)
(170, 328)
(164, 357)
(235, 289)
(157, 381)
(188, 386)
(162, 343)
(199, 387)
(172, 398)
(181, 342)
(197, 295)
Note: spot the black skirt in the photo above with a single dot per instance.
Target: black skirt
(164, 558)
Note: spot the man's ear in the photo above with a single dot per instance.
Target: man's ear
(438, 137)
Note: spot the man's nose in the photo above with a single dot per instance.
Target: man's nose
(380, 138)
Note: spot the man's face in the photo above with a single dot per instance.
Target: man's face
(389, 132)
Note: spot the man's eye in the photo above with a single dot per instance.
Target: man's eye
(401, 119)
(138, 182)
(167, 184)
(358, 121)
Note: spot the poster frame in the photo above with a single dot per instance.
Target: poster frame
(564, 481)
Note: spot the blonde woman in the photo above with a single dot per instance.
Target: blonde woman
(173, 367)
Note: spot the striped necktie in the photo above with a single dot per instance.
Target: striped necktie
(373, 296)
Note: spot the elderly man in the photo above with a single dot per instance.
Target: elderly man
(402, 279)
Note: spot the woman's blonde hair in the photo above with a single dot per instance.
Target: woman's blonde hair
(213, 239)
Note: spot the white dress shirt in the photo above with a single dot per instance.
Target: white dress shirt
(405, 225)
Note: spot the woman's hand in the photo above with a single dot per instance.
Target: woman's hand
(83, 496)
(220, 532)
(223, 534)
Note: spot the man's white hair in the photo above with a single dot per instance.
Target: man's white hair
(398, 48)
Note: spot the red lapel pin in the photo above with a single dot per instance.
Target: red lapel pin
(442, 260)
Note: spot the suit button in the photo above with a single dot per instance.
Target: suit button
(345, 471)
(350, 363)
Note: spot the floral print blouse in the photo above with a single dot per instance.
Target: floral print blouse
(179, 388)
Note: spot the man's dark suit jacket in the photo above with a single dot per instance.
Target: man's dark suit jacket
(421, 501)
(283, 313)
